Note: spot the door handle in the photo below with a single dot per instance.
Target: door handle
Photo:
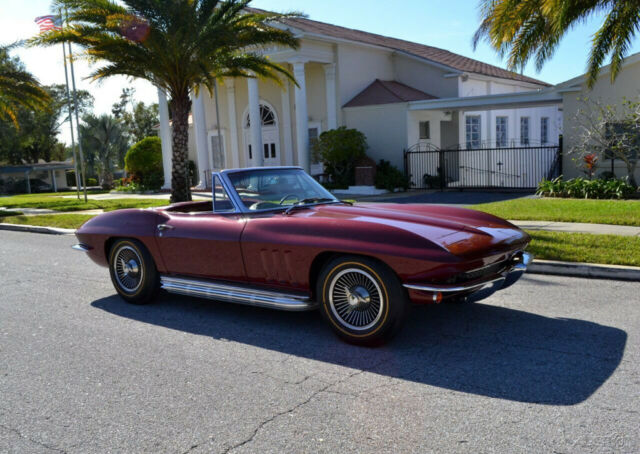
(163, 227)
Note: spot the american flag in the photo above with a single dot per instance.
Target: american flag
(47, 23)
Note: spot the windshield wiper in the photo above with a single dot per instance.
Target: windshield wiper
(305, 203)
(315, 200)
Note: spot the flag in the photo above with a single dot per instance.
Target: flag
(47, 23)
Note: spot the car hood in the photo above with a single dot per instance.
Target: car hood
(460, 231)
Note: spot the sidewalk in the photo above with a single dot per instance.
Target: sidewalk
(577, 227)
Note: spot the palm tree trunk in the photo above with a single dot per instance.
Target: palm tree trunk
(180, 191)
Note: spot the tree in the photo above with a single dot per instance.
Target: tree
(18, 88)
(608, 131)
(339, 150)
(36, 138)
(104, 144)
(178, 46)
(526, 29)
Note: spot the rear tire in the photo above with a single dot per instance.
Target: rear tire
(133, 271)
(362, 300)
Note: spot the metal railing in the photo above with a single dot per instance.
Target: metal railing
(521, 167)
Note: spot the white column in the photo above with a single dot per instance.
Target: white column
(233, 124)
(330, 84)
(165, 137)
(302, 117)
(200, 132)
(255, 122)
(286, 125)
(53, 181)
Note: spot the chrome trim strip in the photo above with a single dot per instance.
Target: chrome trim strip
(519, 267)
(236, 294)
(81, 247)
(446, 288)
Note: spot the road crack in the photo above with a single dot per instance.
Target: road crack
(36, 442)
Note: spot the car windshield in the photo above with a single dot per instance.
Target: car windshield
(278, 188)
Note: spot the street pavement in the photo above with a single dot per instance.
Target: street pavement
(548, 365)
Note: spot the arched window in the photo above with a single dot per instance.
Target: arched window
(266, 115)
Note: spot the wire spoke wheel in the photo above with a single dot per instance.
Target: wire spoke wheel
(355, 299)
(128, 269)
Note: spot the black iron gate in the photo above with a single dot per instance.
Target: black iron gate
(428, 167)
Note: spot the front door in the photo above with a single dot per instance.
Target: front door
(270, 146)
(205, 245)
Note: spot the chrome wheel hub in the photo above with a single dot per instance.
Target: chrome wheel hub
(127, 267)
(356, 299)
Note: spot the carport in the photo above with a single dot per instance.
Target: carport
(26, 172)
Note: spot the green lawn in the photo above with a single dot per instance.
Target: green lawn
(582, 247)
(618, 212)
(4, 213)
(63, 221)
(57, 203)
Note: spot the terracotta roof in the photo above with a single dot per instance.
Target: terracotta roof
(434, 54)
(387, 92)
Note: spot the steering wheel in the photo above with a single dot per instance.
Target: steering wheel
(288, 196)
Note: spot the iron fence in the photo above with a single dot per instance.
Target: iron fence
(522, 167)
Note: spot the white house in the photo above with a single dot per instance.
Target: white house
(398, 93)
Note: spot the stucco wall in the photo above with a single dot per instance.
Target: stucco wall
(422, 76)
(385, 128)
(358, 66)
(626, 85)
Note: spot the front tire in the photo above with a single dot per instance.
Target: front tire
(362, 300)
(133, 271)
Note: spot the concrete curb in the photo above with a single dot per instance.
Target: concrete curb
(615, 272)
(36, 229)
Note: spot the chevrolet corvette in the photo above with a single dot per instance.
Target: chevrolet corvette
(274, 237)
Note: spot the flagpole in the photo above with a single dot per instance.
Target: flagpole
(73, 142)
(75, 100)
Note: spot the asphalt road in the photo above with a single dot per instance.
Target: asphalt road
(549, 365)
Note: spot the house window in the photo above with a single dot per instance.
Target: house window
(502, 128)
(217, 154)
(472, 123)
(524, 131)
(621, 136)
(314, 135)
(425, 130)
(544, 130)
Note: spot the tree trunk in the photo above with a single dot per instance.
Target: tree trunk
(180, 190)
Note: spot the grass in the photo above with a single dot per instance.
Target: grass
(582, 247)
(4, 213)
(55, 202)
(617, 212)
(63, 221)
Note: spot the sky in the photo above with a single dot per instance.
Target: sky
(448, 24)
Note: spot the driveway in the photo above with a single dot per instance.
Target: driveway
(548, 365)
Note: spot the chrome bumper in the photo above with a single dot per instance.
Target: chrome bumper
(81, 247)
(505, 279)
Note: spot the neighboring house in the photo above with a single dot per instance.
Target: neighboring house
(574, 92)
(398, 93)
(40, 177)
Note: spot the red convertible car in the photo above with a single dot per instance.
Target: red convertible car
(274, 237)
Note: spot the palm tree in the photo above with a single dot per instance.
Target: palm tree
(18, 88)
(104, 142)
(177, 45)
(525, 29)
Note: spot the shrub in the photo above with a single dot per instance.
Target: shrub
(92, 182)
(144, 162)
(390, 177)
(583, 188)
(339, 150)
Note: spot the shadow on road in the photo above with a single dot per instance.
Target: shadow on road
(473, 348)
